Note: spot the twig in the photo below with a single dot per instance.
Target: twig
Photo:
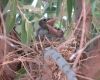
(87, 44)
(40, 43)
(84, 25)
(27, 70)
(91, 41)
(77, 25)
(88, 58)
(62, 45)
(83, 35)
(84, 77)
(4, 30)
(2, 37)
(23, 14)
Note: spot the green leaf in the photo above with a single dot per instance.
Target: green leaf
(20, 72)
(97, 14)
(59, 2)
(26, 32)
(26, 2)
(29, 31)
(11, 16)
(69, 9)
(23, 33)
(93, 2)
(3, 3)
(59, 24)
(50, 9)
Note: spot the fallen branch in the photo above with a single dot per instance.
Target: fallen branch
(61, 62)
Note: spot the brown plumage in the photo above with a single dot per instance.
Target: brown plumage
(46, 29)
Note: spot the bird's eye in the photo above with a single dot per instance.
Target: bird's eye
(44, 19)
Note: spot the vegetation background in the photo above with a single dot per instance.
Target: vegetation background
(19, 23)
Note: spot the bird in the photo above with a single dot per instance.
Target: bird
(46, 28)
